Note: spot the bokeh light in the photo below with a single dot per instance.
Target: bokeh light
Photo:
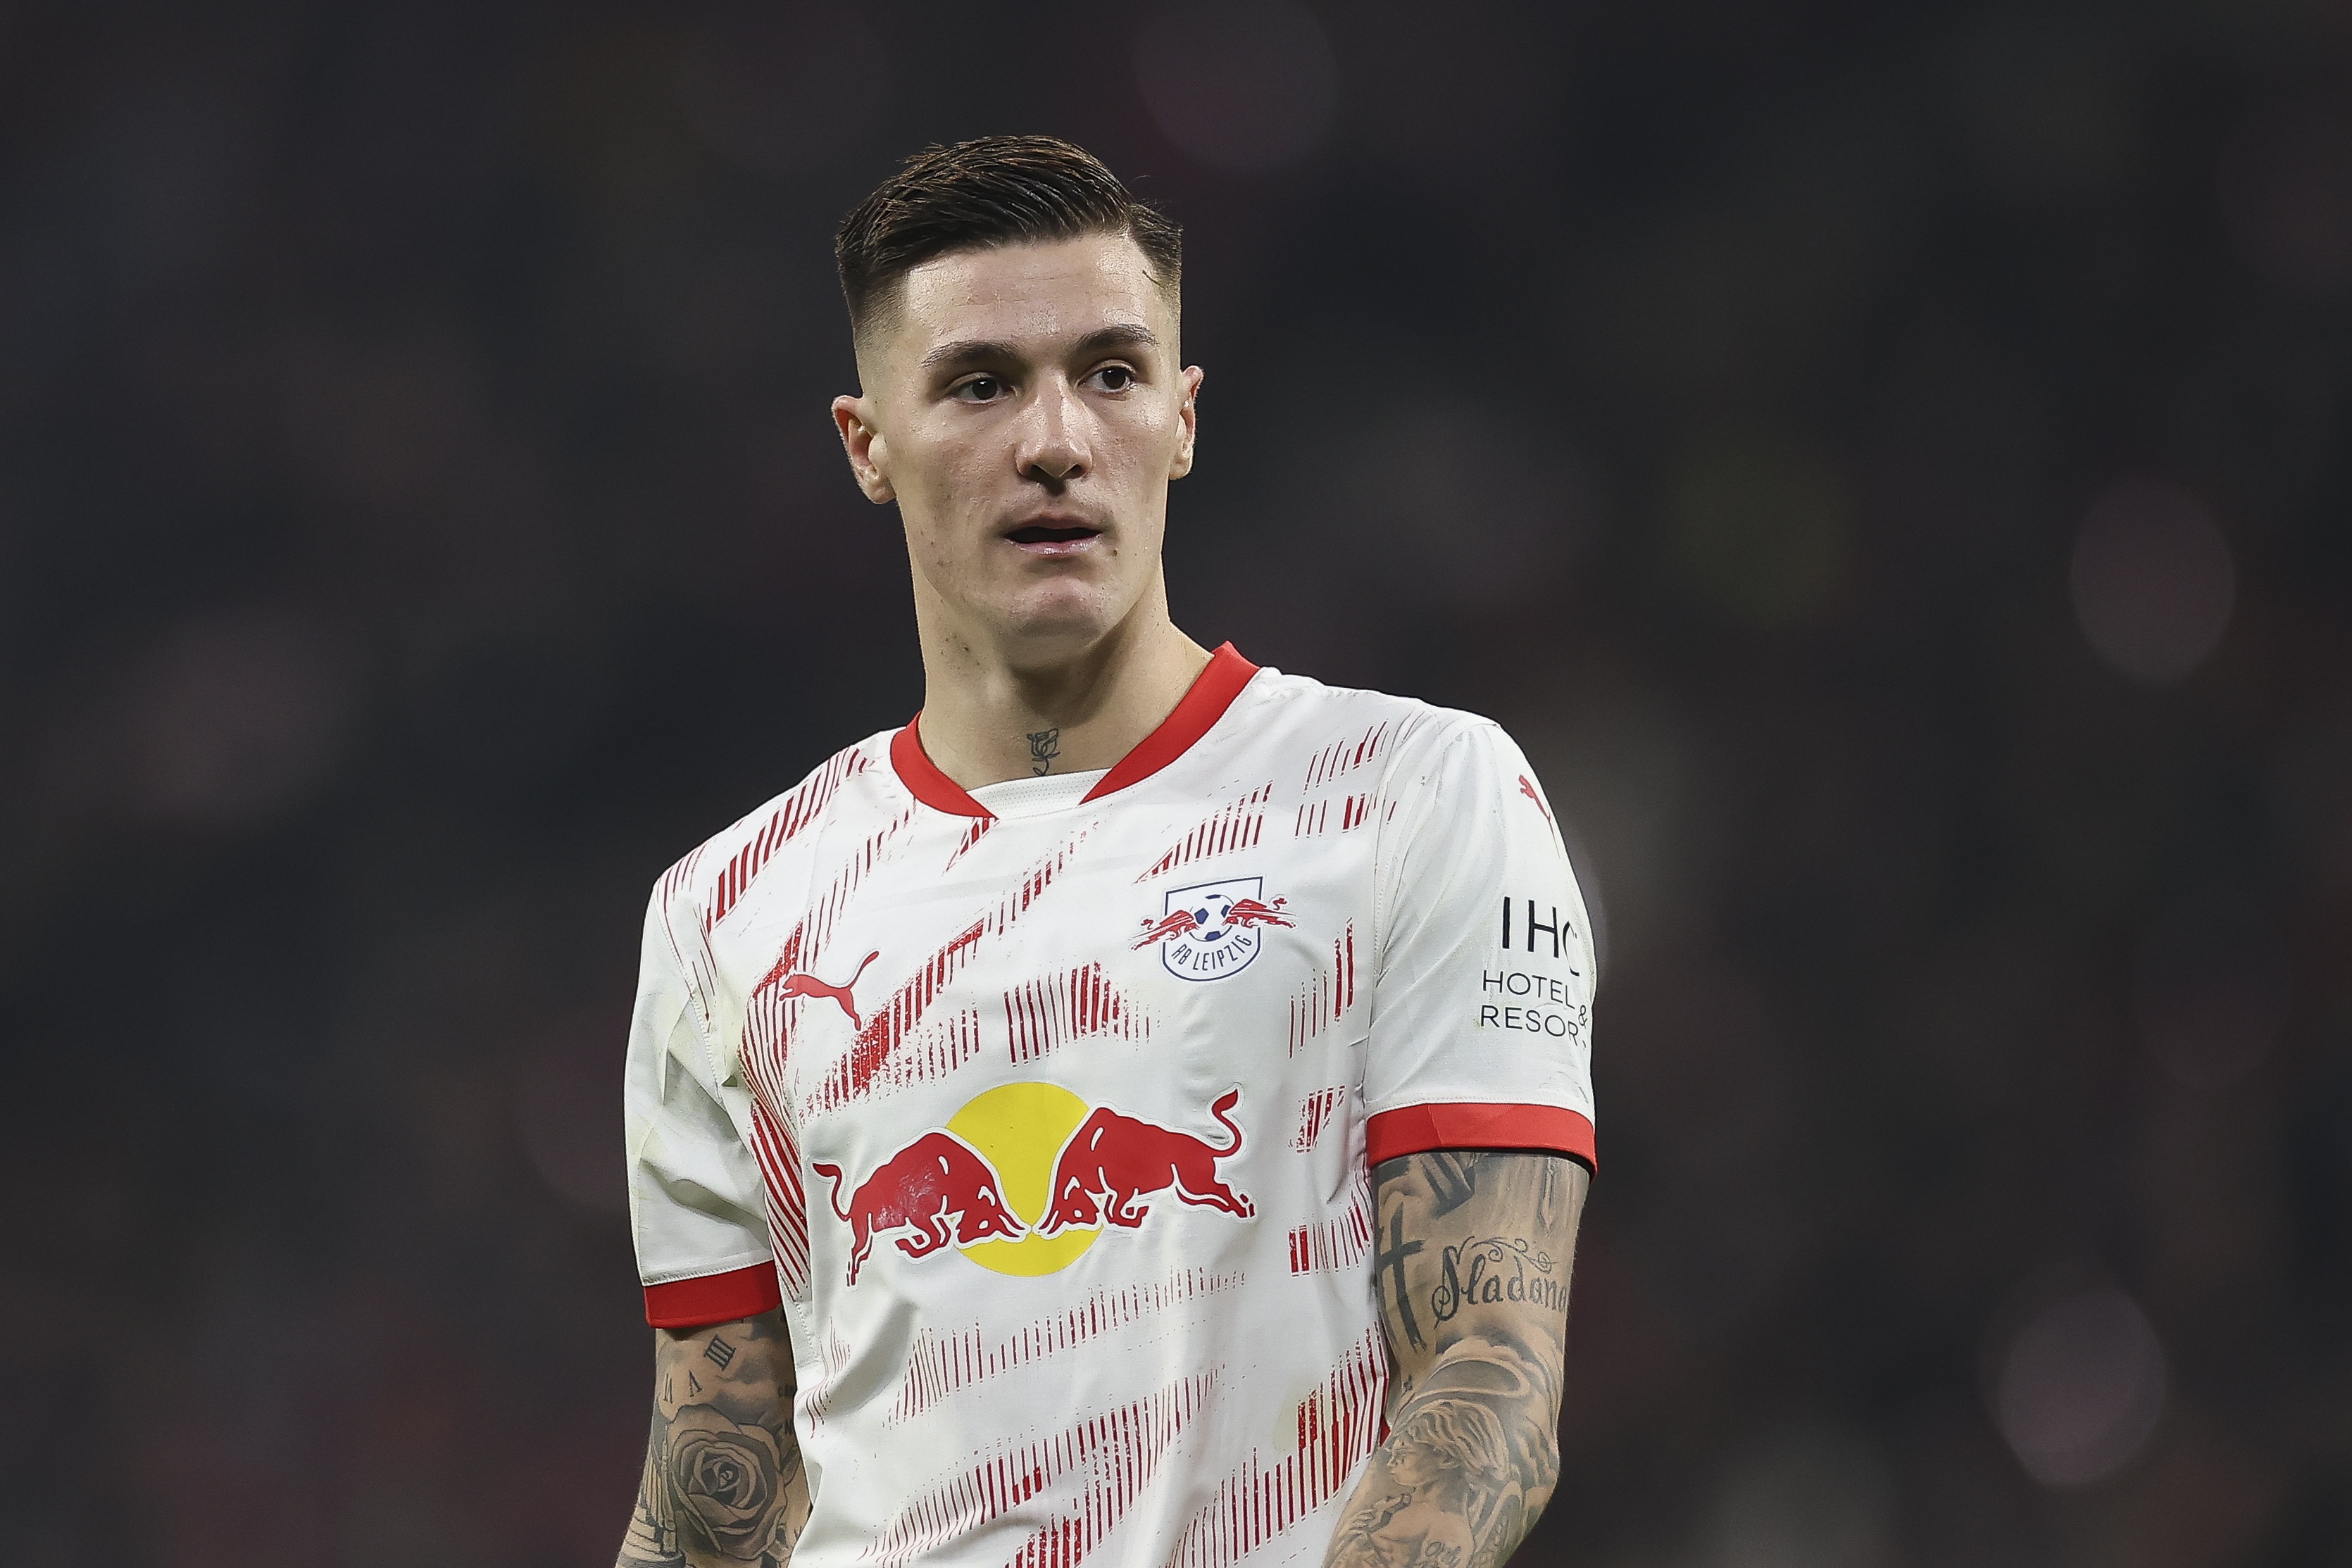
(2081, 1387)
(2153, 581)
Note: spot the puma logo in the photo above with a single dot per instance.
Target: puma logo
(1528, 790)
(810, 986)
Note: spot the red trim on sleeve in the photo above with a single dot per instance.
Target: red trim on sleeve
(714, 1298)
(1417, 1129)
(923, 779)
(1212, 691)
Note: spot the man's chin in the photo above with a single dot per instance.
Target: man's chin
(1059, 624)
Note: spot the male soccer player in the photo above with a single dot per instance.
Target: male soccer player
(1139, 1111)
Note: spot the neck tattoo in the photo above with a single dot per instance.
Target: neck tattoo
(1045, 744)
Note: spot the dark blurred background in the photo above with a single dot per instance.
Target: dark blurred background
(1887, 463)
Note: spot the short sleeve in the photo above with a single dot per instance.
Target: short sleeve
(695, 1203)
(1482, 1011)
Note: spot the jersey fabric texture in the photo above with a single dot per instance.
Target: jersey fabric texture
(1051, 1129)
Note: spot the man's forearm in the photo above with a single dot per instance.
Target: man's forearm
(722, 1485)
(1474, 1256)
(1471, 1457)
(649, 1543)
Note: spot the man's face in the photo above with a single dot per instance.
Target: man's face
(1414, 1465)
(1024, 408)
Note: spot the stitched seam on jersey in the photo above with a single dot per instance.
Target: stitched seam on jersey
(697, 1013)
(785, 1110)
(745, 1261)
(1467, 724)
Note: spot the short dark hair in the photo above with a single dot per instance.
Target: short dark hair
(991, 191)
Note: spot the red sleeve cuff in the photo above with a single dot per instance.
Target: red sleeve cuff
(1418, 1129)
(714, 1298)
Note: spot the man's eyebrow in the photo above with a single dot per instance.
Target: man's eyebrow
(983, 350)
(968, 351)
(1123, 335)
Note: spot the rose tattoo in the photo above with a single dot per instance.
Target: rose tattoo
(725, 1479)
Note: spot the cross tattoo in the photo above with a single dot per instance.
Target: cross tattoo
(1391, 1261)
(1452, 1180)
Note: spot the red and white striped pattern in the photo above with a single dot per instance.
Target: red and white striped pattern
(1315, 1114)
(1046, 1014)
(1337, 1425)
(1119, 1449)
(695, 961)
(833, 1354)
(1237, 825)
(780, 1174)
(937, 1366)
(1327, 995)
(1315, 816)
(941, 1045)
(1345, 753)
(794, 812)
(971, 835)
(893, 1026)
(768, 1014)
(1340, 1242)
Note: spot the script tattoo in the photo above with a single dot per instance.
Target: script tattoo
(1045, 744)
(1484, 1271)
(723, 1482)
(1473, 1453)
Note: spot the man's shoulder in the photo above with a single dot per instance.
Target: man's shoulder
(1371, 722)
(715, 873)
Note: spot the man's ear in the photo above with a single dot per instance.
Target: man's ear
(861, 439)
(1188, 413)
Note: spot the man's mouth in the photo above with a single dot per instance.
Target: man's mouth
(1051, 539)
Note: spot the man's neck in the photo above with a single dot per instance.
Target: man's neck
(988, 716)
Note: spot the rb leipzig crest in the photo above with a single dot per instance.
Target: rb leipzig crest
(1209, 932)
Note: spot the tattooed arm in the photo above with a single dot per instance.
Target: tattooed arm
(1473, 1261)
(723, 1484)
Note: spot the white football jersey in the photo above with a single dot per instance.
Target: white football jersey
(1051, 1125)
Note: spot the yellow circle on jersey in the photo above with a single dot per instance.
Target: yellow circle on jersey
(1021, 1127)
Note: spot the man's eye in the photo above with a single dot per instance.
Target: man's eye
(1113, 378)
(980, 389)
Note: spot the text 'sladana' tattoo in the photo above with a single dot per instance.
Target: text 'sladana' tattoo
(1045, 744)
(1484, 1270)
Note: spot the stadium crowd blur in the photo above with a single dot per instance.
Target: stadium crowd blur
(1887, 463)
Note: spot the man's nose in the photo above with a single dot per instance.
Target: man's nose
(1053, 441)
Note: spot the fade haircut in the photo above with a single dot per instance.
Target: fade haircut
(991, 191)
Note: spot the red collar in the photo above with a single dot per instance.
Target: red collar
(1212, 691)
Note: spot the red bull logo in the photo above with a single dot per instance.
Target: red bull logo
(1211, 931)
(1027, 1177)
(1116, 1161)
(938, 1186)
